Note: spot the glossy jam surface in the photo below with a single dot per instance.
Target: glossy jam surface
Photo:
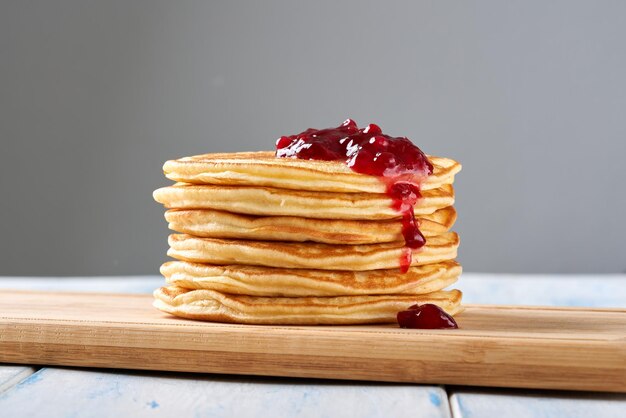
(427, 316)
(365, 150)
(400, 164)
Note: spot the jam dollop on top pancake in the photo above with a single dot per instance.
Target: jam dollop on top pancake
(399, 163)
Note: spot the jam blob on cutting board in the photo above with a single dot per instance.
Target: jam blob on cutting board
(426, 316)
(400, 164)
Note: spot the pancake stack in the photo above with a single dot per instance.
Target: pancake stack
(266, 240)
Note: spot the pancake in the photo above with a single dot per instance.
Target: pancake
(264, 169)
(266, 201)
(210, 305)
(267, 281)
(218, 224)
(310, 255)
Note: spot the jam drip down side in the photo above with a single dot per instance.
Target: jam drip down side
(397, 161)
(404, 197)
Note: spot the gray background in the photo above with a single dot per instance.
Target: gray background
(94, 96)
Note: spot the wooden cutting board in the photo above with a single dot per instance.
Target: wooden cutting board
(506, 346)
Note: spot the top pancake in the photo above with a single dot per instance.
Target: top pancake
(264, 169)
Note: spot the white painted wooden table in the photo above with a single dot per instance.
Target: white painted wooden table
(63, 392)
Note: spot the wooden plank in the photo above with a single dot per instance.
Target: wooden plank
(178, 395)
(11, 375)
(101, 394)
(557, 348)
(608, 290)
(493, 404)
(571, 290)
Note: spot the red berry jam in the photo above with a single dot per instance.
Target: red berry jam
(397, 161)
(427, 316)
